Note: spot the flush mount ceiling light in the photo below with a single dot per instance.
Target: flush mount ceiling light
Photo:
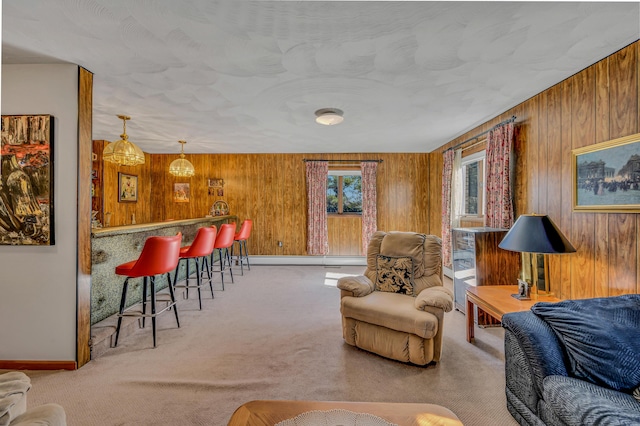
(329, 116)
(123, 152)
(182, 167)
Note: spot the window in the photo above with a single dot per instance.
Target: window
(473, 184)
(344, 192)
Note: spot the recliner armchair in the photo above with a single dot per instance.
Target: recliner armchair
(396, 309)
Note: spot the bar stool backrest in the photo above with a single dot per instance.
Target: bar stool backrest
(225, 236)
(159, 256)
(203, 243)
(245, 230)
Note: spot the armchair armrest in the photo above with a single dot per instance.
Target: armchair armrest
(358, 286)
(437, 297)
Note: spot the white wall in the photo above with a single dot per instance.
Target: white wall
(38, 284)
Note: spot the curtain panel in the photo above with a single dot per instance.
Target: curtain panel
(369, 202)
(317, 233)
(447, 178)
(499, 193)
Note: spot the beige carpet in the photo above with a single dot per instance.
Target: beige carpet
(274, 334)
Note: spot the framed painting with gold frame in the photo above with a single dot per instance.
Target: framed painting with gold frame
(606, 176)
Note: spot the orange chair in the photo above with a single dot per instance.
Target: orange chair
(199, 251)
(159, 256)
(224, 241)
(241, 238)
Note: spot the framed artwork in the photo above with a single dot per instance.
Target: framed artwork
(181, 192)
(606, 176)
(215, 183)
(26, 180)
(127, 188)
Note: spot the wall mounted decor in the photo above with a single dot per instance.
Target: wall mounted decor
(606, 176)
(127, 188)
(215, 183)
(181, 192)
(26, 178)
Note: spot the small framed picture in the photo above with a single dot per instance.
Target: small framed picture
(127, 188)
(181, 192)
(215, 183)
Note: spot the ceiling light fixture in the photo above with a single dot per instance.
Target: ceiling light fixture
(123, 152)
(182, 167)
(329, 116)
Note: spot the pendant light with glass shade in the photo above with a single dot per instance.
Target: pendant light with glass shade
(123, 151)
(182, 167)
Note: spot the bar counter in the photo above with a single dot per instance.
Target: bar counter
(115, 245)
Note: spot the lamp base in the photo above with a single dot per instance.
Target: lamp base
(520, 297)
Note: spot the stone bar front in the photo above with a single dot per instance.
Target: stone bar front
(113, 246)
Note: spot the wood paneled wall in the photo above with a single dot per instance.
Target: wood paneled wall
(270, 189)
(122, 213)
(595, 105)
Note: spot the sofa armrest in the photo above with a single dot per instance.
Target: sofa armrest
(356, 286)
(437, 297)
(539, 345)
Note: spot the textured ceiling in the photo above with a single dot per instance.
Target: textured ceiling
(245, 77)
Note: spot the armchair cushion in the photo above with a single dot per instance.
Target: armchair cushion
(392, 311)
(601, 337)
(438, 297)
(394, 275)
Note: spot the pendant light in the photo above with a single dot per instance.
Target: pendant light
(182, 167)
(123, 152)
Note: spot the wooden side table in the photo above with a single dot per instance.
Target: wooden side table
(496, 300)
(268, 413)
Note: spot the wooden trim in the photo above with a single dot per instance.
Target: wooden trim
(83, 273)
(37, 365)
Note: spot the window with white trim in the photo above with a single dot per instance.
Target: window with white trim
(473, 184)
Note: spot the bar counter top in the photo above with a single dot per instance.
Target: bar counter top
(130, 229)
(115, 245)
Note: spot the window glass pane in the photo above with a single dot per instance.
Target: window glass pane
(332, 194)
(352, 194)
(471, 181)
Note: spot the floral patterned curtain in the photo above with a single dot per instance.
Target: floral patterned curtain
(317, 234)
(499, 211)
(369, 202)
(447, 178)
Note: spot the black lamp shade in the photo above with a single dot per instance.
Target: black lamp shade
(536, 234)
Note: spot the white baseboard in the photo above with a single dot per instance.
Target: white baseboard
(448, 272)
(309, 260)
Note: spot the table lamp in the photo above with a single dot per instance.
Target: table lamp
(535, 237)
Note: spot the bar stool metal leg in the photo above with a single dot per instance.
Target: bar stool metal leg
(173, 299)
(123, 300)
(153, 309)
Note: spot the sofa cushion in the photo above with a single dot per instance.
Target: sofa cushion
(392, 310)
(601, 337)
(394, 274)
(577, 402)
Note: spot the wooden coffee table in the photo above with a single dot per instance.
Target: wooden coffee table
(496, 300)
(268, 413)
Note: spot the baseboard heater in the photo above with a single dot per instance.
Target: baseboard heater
(309, 260)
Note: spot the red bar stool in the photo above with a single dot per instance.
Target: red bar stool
(159, 256)
(224, 241)
(199, 251)
(241, 238)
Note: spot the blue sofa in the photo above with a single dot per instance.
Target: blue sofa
(575, 362)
